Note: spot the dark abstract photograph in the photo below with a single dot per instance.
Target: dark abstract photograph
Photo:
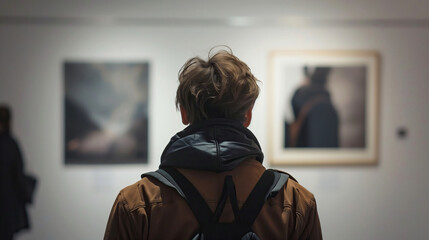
(105, 112)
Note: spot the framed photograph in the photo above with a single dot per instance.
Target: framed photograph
(323, 107)
(105, 112)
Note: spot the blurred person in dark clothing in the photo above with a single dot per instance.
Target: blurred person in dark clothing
(316, 122)
(16, 188)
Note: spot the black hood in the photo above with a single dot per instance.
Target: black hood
(213, 145)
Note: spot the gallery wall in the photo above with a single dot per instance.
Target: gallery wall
(383, 201)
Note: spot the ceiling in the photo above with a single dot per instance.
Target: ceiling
(217, 12)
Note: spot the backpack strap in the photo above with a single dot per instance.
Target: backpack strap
(270, 183)
(268, 186)
(256, 199)
(280, 179)
(228, 191)
(194, 199)
(166, 179)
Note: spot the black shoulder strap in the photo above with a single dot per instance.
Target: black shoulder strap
(228, 191)
(194, 199)
(268, 185)
(253, 205)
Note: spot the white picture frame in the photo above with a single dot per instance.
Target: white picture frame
(352, 85)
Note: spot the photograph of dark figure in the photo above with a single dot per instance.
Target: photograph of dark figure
(316, 118)
(323, 107)
(326, 108)
(106, 112)
(16, 187)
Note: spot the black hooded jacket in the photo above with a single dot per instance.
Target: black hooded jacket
(213, 145)
(13, 188)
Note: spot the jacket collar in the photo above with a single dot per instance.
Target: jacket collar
(213, 145)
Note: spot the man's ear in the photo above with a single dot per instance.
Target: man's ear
(184, 116)
(248, 117)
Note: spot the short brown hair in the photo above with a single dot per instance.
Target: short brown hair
(221, 87)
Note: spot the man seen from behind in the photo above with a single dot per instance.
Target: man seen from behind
(215, 98)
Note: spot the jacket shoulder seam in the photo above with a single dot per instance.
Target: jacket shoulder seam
(144, 206)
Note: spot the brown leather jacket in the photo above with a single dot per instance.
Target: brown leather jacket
(205, 152)
(149, 209)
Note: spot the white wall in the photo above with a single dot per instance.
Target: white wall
(387, 201)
